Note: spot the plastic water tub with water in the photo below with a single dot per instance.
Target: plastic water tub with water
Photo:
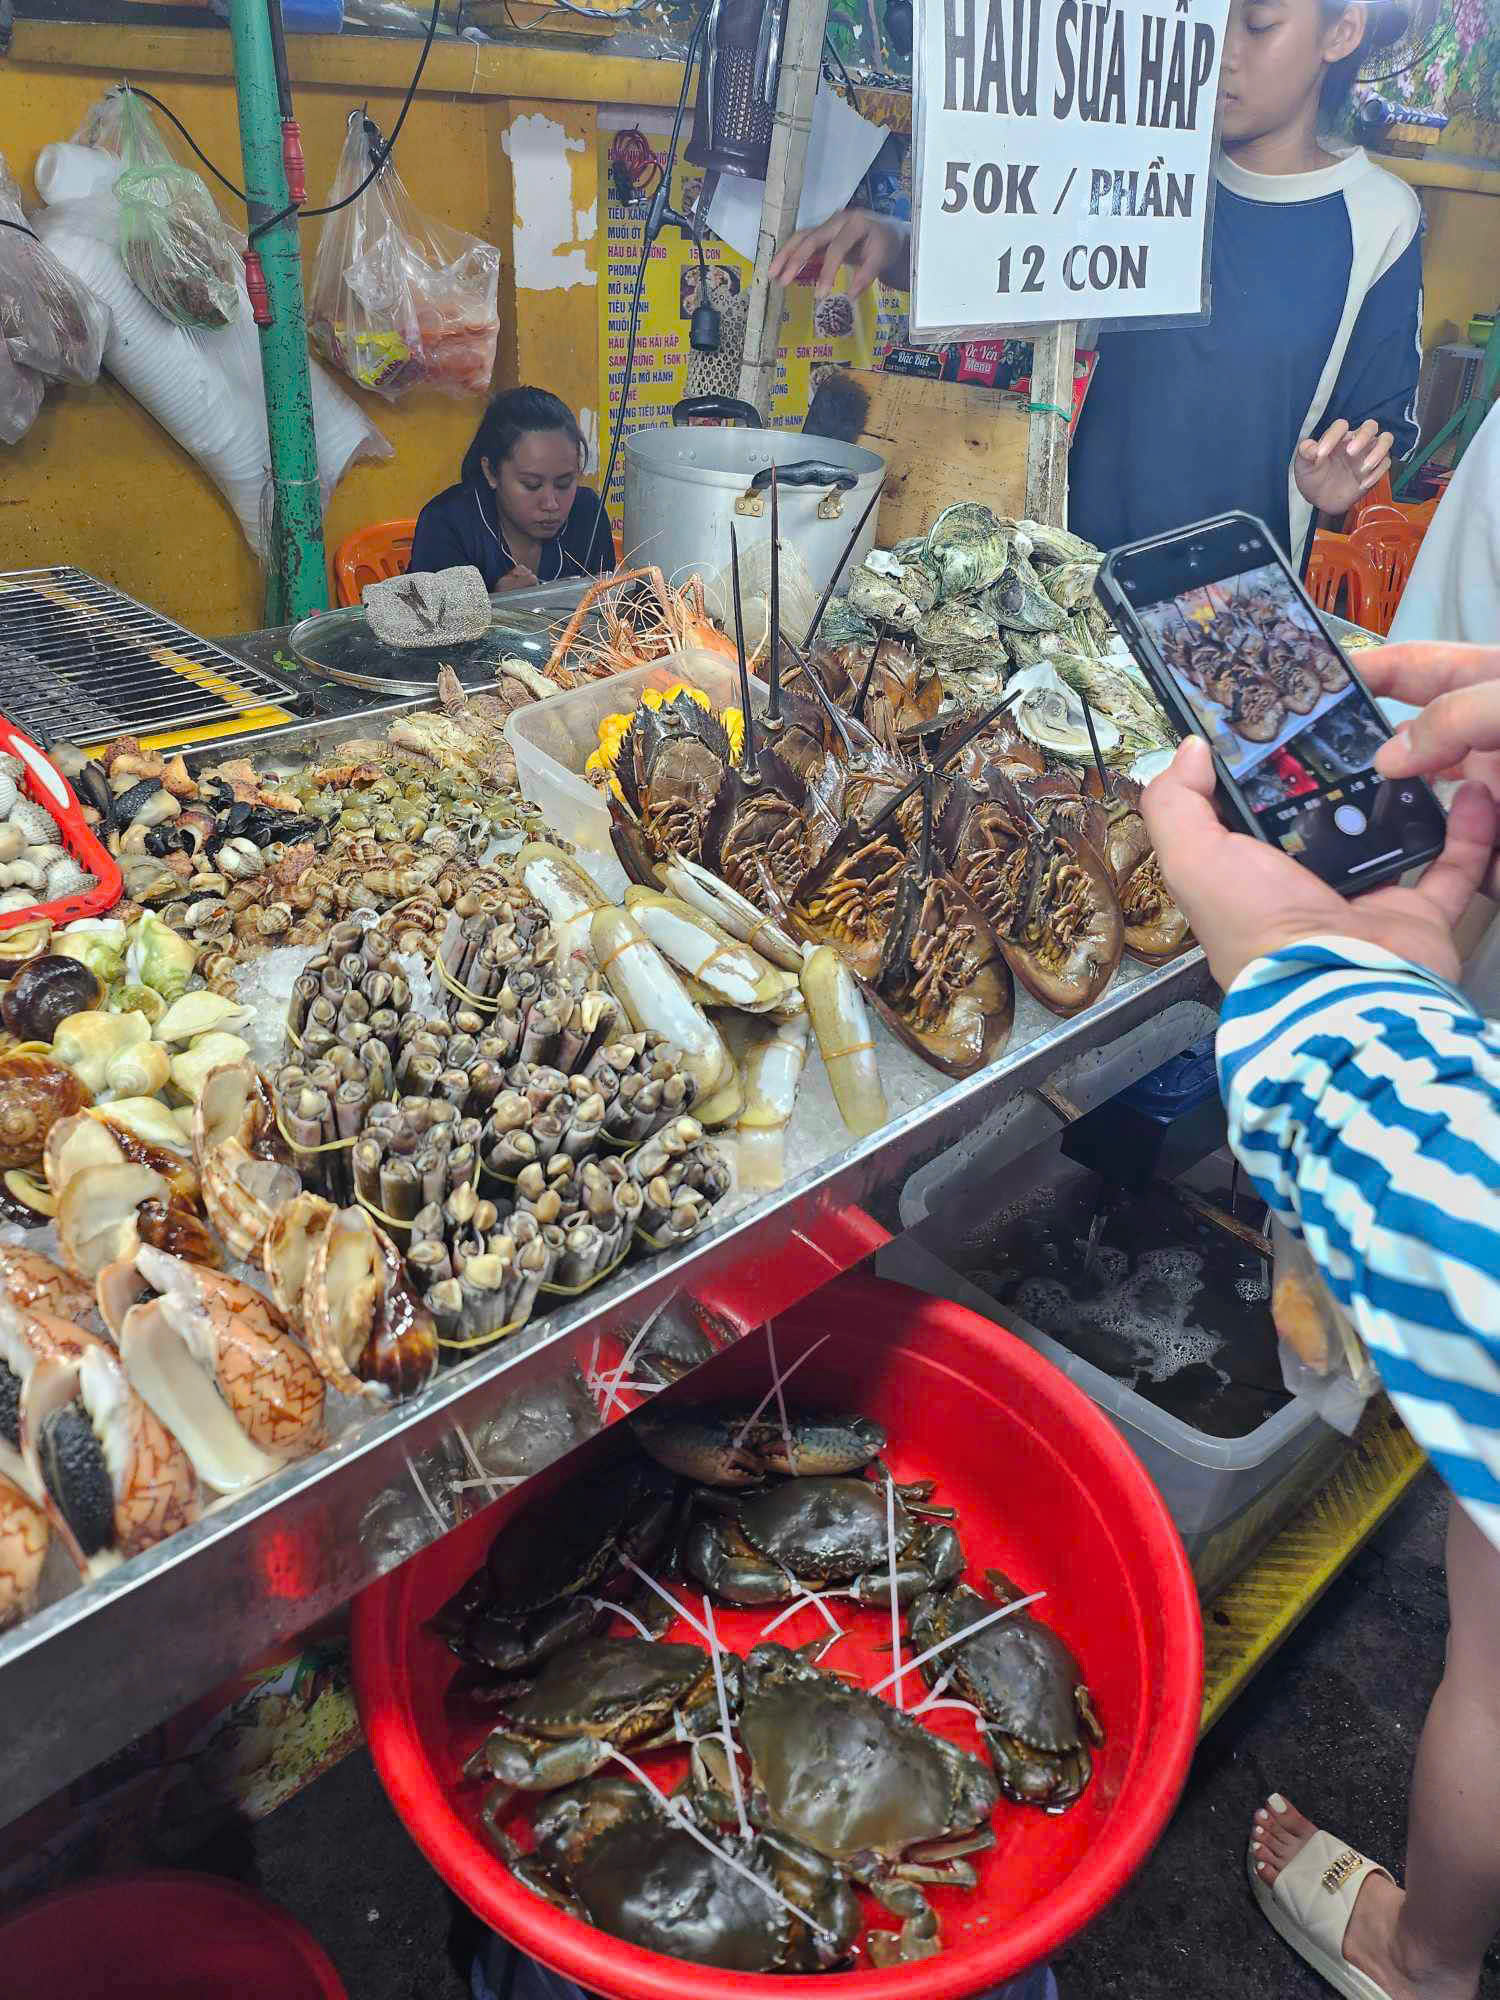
(1228, 1496)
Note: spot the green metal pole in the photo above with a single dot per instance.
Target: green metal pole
(298, 583)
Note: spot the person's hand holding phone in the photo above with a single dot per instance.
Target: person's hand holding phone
(1457, 734)
(1245, 898)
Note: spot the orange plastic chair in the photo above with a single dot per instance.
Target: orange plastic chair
(1390, 548)
(1336, 565)
(1415, 513)
(371, 555)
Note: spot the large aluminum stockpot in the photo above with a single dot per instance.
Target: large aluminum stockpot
(684, 486)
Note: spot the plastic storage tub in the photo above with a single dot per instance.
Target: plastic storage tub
(1227, 1496)
(1044, 1488)
(552, 740)
(161, 1936)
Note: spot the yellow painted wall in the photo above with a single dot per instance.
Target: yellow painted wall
(1460, 259)
(97, 483)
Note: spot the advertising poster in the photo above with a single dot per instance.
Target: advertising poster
(1063, 155)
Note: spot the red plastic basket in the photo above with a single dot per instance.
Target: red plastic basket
(1046, 1490)
(44, 783)
(162, 1936)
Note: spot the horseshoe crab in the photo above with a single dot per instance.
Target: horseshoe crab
(1045, 893)
(942, 982)
(606, 1853)
(862, 1784)
(728, 1447)
(527, 1601)
(640, 1694)
(758, 1547)
(1038, 1713)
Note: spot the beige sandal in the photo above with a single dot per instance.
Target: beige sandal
(1310, 1904)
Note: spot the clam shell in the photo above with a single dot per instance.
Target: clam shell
(155, 1489)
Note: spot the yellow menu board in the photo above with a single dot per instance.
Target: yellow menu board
(835, 333)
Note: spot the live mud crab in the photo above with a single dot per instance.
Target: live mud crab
(631, 1693)
(609, 1854)
(532, 1596)
(735, 1447)
(860, 1783)
(1039, 1716)
(766, 1545)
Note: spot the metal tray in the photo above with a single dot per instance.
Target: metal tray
(341, 645)
(89, 1673)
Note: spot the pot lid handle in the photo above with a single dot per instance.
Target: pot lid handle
(725, 409)
(807, 472)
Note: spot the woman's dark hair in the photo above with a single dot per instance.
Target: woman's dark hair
(508, 419)
(1385, 22)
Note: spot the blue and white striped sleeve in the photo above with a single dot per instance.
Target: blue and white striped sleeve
(1364, 1099)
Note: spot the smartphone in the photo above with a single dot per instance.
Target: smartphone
(1237, 651)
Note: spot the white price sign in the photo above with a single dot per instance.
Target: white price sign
(1063, 154)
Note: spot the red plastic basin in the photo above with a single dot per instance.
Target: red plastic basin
(161, 1936)
(1046, 1490)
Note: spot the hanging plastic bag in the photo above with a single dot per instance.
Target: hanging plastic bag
(48, 320)
(204, 388)
(1323, 1359)
(175, 244)
(398, 301)
(20, 397)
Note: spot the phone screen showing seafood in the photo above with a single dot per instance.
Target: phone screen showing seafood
(1289, 724)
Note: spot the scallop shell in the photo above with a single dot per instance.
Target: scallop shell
(242, 1195)
(154, 1486)
(367, 1332)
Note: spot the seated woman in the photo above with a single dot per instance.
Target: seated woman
(518, 513)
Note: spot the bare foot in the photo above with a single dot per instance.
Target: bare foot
(1372, 1943)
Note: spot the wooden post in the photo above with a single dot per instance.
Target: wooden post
(801, 65)
(1047, 446)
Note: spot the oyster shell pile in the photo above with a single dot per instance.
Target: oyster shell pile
(980, 598)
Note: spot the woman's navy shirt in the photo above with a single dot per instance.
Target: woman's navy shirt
(462, 526)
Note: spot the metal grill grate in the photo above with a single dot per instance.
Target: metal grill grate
(80, 659)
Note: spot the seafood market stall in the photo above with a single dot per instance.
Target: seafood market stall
(456, 1144)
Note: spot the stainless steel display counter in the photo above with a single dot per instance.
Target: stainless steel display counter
(90, 1672)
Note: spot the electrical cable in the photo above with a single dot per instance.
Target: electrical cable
(380, 157)
(168, 113)
(293, 208)
(617, 429)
